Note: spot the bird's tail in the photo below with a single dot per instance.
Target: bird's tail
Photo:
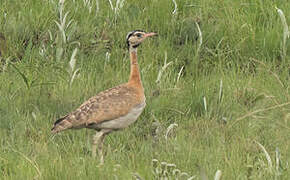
(61, 124)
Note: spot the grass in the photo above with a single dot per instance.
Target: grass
(229, 97)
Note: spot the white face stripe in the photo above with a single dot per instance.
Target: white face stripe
(133, 32)
(133, 40)
(129, 34)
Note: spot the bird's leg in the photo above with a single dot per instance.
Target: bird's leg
(96, 141)
(99, 141)
(100, 148)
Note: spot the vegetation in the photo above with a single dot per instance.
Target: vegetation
(217, 82)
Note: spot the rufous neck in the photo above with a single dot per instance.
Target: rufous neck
(134, 74)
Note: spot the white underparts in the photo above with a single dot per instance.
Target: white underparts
(124, 121)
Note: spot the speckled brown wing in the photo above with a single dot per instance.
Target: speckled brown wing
(107, 105)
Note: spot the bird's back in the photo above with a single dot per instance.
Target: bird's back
(119, 105)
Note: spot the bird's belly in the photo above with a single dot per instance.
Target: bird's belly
(124, 121)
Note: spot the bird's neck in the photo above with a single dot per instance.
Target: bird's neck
(135, 78)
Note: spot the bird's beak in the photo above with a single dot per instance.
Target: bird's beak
(150, 34)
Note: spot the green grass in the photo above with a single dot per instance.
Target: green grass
(232, 94)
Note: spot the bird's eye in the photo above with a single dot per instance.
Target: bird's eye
(139, 35)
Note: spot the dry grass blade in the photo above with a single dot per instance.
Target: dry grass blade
(137, 176)
(64, 20)
(165, 65)
(61, 31)
(72, 61)
(175, 110)
(204, 104)
(111, 4)
(218, 175)
(119, 4)
(73, 76)
(179, 74)
(258, 111)
(286, 32)
(277, 153)
(33, 163)
(221, 91)
(274, 74)
(97, 6)
(169, 129)
(175, 7)
(266, 154)
(108, 55)
(200, 38)
(69, 23)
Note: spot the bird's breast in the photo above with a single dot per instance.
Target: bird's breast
(123, 121)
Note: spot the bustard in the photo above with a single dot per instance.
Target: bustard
(112, 109)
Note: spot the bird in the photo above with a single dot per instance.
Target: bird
(112, 109)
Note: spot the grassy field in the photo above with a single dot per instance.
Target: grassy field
(222, 103)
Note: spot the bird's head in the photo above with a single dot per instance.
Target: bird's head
(135, 38)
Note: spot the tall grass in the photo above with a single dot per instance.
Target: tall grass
(216, 81)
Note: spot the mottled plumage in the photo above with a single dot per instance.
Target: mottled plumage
(112, 109)
(106, 106)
